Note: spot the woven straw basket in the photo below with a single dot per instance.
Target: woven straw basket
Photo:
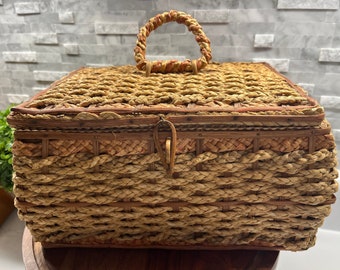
(185, 154)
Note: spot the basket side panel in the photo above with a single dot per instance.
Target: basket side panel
(225, 195)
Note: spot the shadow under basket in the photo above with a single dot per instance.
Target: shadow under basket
(235, 156)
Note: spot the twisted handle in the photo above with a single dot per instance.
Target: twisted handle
(169, 66)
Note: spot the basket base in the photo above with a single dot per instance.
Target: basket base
(36, 256)
(47, 245)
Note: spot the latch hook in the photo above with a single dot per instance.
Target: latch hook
(168, 156)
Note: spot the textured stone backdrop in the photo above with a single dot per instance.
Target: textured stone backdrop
(40, 41)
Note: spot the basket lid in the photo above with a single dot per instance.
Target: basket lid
(215, 92)
(247, 91)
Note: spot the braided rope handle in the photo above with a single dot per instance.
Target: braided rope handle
(169, 66)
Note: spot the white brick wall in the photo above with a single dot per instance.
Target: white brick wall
(48, 76)
(211, 16)
(329, 55)
(66, 17)
(17, 98)
(263, 40)
(309, 87)
(308, 4)
(281, 65)
(25, 57)
(46, 38)
(116, 28)
(26, 8)
(330, 102)
(336, 133)
(71, 49)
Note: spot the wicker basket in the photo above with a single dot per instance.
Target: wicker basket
(177, 154)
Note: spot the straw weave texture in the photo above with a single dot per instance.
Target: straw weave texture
(226, 85)
(72, 199)
(227, 196)
(64, 148)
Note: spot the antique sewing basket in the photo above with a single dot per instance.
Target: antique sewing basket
(174, 154)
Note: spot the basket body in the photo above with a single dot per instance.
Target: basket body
(236, 156)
